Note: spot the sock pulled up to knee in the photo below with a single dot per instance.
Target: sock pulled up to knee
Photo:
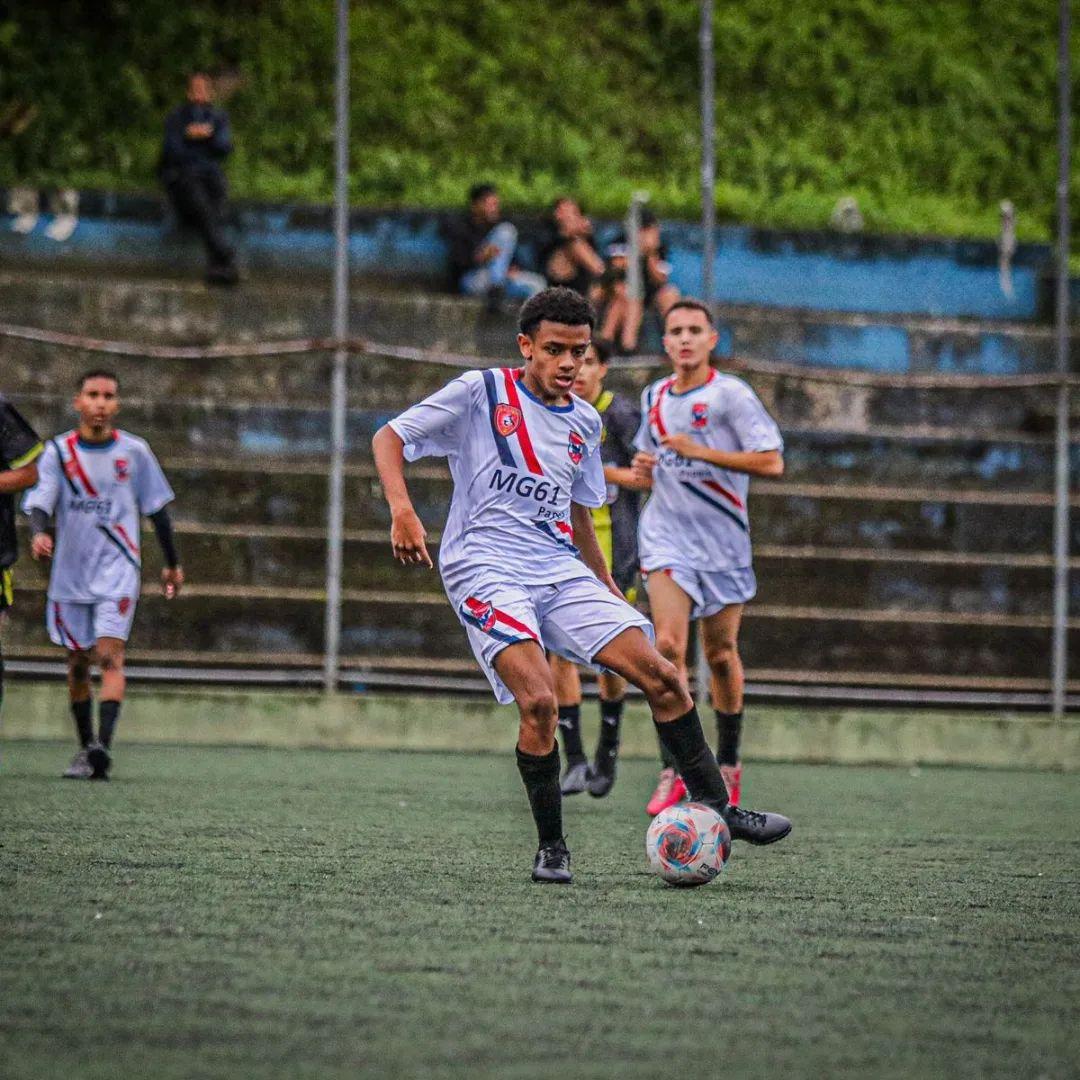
(540, 774)
(685, 742)
(108, 714)
(570, 727)
(728, 736)
(82, 712)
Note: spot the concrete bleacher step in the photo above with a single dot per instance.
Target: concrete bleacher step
(277, 622)
(814, 577)
(141, 307)
(909, 454)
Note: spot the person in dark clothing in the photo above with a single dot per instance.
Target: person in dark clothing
(481, 252)
(197, 141)
(567, 251)
(623, 315)
(20, 449)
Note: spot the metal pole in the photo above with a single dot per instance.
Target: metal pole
(335, 494)
(1061, 471)
(708, 151)
(635, 287)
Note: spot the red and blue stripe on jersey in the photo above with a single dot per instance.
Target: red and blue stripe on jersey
(520, 434)
(72, 470)
(656, 420)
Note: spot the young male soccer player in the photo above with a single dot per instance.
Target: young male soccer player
(20, 449)
(615, 524)
(97, 481)
(703, 435)
(521, 564)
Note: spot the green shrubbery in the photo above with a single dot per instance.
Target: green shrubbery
(928, 113)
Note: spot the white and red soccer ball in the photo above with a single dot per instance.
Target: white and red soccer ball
(688, 844)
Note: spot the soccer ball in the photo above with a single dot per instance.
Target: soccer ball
(688, 844)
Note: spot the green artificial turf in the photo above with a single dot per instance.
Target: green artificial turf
(277, 913)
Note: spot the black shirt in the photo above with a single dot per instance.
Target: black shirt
(549, 242)
(19, 445)
(463, 238)
(180, 154)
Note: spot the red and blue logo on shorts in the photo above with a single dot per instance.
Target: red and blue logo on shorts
(483, 614)
(123, 605)
(576, 448)
(699, 415)
(122, 470)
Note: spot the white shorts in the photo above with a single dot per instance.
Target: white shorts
(575, 619)
(78, 626)
(710, 590)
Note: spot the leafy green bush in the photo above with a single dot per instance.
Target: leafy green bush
(928, 113)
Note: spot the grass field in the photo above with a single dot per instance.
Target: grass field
(234, 912)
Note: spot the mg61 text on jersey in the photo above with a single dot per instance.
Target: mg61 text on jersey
(100, 507)
(528, 487)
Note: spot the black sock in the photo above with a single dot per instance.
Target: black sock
(610, 722)
(540, 774)
(108, 713)
(570, 726)
(695, 762)
(83, 712)
(728, 736)
(666, 760)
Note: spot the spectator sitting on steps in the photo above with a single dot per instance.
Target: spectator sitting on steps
(568, 252)
(197, 140)
(481, 252)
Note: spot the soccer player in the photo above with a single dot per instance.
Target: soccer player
(20, 449)
(521, 564)
(615, 524)
(703, 435)
(97, 481)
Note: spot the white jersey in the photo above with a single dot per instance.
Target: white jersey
(696, 516)
(97, 492)
(516, 464)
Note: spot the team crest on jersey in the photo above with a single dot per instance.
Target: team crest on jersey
(699, 415)
(124, 605)
(121, 466)
(576, 448)
(507, 419)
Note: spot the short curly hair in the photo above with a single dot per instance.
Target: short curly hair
(557, 305)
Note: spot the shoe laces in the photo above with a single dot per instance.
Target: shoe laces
(747, 817)
(555, 856)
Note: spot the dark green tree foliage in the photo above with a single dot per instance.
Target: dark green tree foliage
(928, 113)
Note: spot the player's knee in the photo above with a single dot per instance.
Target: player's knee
(670, 647)
(112, 661)
(79, 664)
(722, 656)
(539, 710)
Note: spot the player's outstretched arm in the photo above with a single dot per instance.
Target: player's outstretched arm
(624, 476)
(752, 462)
(407, 532)
(585, 541)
